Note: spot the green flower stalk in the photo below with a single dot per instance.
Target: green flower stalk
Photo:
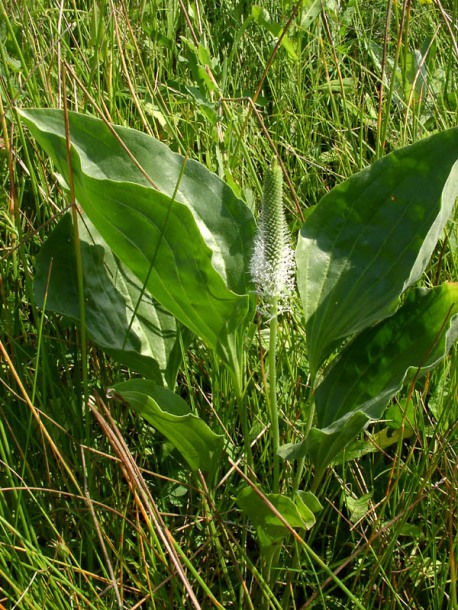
(272, 270)
(272, 262)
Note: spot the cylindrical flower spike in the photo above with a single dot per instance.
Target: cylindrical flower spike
(272, 262)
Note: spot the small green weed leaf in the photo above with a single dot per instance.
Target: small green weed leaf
(263, 18)
(388, 437)
(310, 500)
(415, 82)
(189, 241)
(170, 415)
(410, 530)
(199, 58)
(443, 402)
(401, 416)
(371, 237)
(357, 507)
(304, 510)
(310, 10)
(339, 85)
(148, 344)
(323, 446)
(271, 531)
(374, 367)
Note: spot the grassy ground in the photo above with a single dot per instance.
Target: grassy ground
(100, 512)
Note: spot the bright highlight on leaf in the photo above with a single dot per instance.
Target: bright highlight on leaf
(370, 238)
(188, 241)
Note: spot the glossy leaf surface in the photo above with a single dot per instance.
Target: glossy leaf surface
(170, 415)
(175, 225)
(121, 318)
(371, 237)
(375, 366)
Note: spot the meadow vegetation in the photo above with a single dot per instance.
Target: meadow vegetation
(97, 508)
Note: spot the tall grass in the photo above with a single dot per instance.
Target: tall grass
(96, 510)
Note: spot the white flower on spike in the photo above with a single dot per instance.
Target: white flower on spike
(272, 261)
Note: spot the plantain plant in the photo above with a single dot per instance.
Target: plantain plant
(169, 253)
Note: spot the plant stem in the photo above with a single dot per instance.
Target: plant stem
(272, 363)
(308, 426)
(243, 415)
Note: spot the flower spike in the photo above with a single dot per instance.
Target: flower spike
(272, 262)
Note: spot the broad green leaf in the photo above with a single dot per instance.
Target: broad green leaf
(375, 366)
(190, 241)
(371, 237)
(170, 414)
(310, 10)
(271, 531)
(147, 342)
(325, 447)
(121, 154)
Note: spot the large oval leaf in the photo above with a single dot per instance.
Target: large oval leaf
(371, 237)
(374, 367)
(121, 154)
(189, 242)
(121, 317)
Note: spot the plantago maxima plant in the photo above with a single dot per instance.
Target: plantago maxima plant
(272, 270)
(197, 253)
